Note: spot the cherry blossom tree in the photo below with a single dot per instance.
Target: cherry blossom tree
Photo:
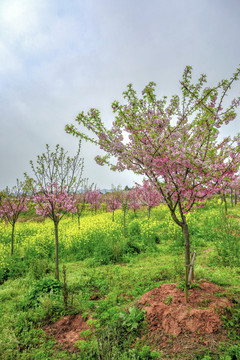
(57, 179)
(134, 202)
(81, 200)
(57, 167)
(80, 203)
(113, 201)
(235, 188)
(94, 197)
(54, 202)
(12, 203)
(148, 195)
(175, 144)
(229, 190)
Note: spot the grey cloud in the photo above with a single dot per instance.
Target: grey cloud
(58, 58)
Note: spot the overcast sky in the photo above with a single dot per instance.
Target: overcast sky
(60, 57)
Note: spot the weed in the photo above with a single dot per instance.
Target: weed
(168, 300)
(47, 285)
(231, 321)
(193, 285)
(131, 320)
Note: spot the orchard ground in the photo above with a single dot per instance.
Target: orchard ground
(121, 297)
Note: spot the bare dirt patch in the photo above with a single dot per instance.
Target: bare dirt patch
(178, 327)
(66, 331)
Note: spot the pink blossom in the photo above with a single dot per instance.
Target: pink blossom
(11, 207)
(93, 197)
(54, 202)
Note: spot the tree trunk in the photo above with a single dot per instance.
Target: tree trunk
(186, 243)
(124, 220)
(232, 197)
(187, 255)
(56, 251)
(225, 203)
(191, 268)
(12, 238)
(78, 222)
(149, 212)
(183, 224)
(113, 216)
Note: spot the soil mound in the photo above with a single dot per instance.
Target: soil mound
(173, 326)
(172, 322)
(66, 331)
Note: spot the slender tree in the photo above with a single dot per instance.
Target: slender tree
(57, 167)
(94, 197)
(57, 180)
(235, 186)
(134, 201)
(175, 144)
(12, 203)
(113, 201)
(54, 202)
(148, 195)
(81, 200)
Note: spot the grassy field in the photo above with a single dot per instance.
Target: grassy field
(103, 275)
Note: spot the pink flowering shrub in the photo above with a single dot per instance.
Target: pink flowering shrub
(12, 206)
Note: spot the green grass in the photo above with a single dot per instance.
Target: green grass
(120, 279)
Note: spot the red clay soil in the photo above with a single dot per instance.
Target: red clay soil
(177, 326)
(173, 326)
(66, 331)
